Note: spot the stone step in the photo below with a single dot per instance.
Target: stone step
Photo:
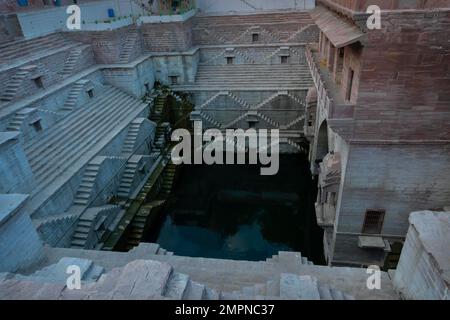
(294, 287)
(195, 291)
(68, 123)
(82, 130)
(80, 115)
(176, 286)
(87, 137)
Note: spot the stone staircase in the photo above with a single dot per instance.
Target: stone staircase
(273, 38)
(255, 75)
(220, 39)
(293, 123)
(57, 273)
(86, 224)
(299, 31)
(132, 282)
(273, 123)
(271, 55)
(296, 99)
(130, 44)
(130, 140)
(207, 102)
(289, 257)
(13, 85)
(81, 233)
(126, 276)
(73, 136)
(211, 60)
(84, 192)
(160, 138)
(74, 95)
(244, 56)
(231, 276)
(137, 228)
(288, 287)
(23, 48)
(266, 101)
(127, 178)
(239, 100)
(168, 178)
(49, 227)
(158, 109)
(211, 120)
(293, 144)
(71, 61)
(236, 120)
(138, 280)
(17, 121)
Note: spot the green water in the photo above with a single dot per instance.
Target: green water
(232, 212)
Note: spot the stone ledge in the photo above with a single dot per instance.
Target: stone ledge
(10, 205)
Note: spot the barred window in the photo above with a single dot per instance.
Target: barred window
(373, 221)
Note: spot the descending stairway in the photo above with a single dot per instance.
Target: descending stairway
(138, 224)
(298, 32)
(266, 101)
(239, 100)
(48, 225)
(168, 178)
(20, 49)
(222, 77)
(138, 280)
(236, 120)
(132, 281)
(71, 61)
(273, 123)
(211, 99)
(160, 139)
(84, 191)
(18, 119)
(74, 95)
(211, 120)
(228, 276)
(130, 140)
(296, 99)
(57, 273)
(86, 224)
(293, 122)
(74, 136)
(289, 257)
(244, 56)
(130, 44)
(158, 109)
(13, 85)
(288, 287)
(294, 144)
(81, 233)
(127, 178)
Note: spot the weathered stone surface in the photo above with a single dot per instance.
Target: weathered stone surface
(424, 268)
(294, 287)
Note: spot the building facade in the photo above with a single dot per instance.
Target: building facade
(381, 147)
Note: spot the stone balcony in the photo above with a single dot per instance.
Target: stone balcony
(332, 105)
